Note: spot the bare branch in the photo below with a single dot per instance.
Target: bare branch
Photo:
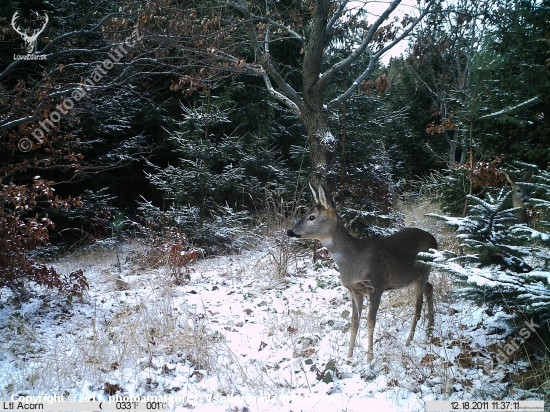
(336, 16)
(289, 96)
(280, 97)
(374, 57)
(343, 64)
(510, 109)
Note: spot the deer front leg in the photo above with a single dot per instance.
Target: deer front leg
(356, 309)
(374, 303)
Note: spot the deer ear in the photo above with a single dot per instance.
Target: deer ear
(512, 178)
(527, 176)
(325, 198)
(314, 193)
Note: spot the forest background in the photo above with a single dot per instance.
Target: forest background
(195, 126)
(189, 119)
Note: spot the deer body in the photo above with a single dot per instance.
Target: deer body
(369, 266)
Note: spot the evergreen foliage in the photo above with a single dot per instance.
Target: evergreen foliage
(515, 74)
(218, 177)
(505, 264)
(367, 159)
(89, 222)
(367, 194)
(411, 147)
(220, 232)
(208, 172)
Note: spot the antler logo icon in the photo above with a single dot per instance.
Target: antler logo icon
(28, 35)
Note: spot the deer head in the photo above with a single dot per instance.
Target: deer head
(321, 219)
(28, 35)
(520, 192)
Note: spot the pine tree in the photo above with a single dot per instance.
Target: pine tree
(504, 264)
(208, 173)
(224, 168)
(516, 76)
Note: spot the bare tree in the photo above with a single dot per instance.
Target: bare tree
(320, 30)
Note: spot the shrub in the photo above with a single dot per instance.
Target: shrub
(221, 231)
(22, 230)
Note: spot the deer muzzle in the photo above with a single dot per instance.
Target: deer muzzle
(292, 234)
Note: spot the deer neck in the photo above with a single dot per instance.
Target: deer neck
(521, 215)
(338, 242)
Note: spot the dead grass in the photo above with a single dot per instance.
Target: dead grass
(125, 332)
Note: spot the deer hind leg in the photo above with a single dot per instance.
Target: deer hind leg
(374, 303)
(428, 292)
(356, 309)
(418, 290)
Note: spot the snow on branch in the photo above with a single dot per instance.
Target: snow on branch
(510, 109)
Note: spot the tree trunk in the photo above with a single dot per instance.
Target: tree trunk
(322, 147)
(451, 154)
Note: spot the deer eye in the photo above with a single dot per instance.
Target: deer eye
(311, 217)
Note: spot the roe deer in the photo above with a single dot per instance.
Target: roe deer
(520, 193)
(369, 266)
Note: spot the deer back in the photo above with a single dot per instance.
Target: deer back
(388, 262)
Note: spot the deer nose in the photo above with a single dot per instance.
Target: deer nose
(292, 234)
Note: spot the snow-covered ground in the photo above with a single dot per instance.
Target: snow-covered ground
(240, 335)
